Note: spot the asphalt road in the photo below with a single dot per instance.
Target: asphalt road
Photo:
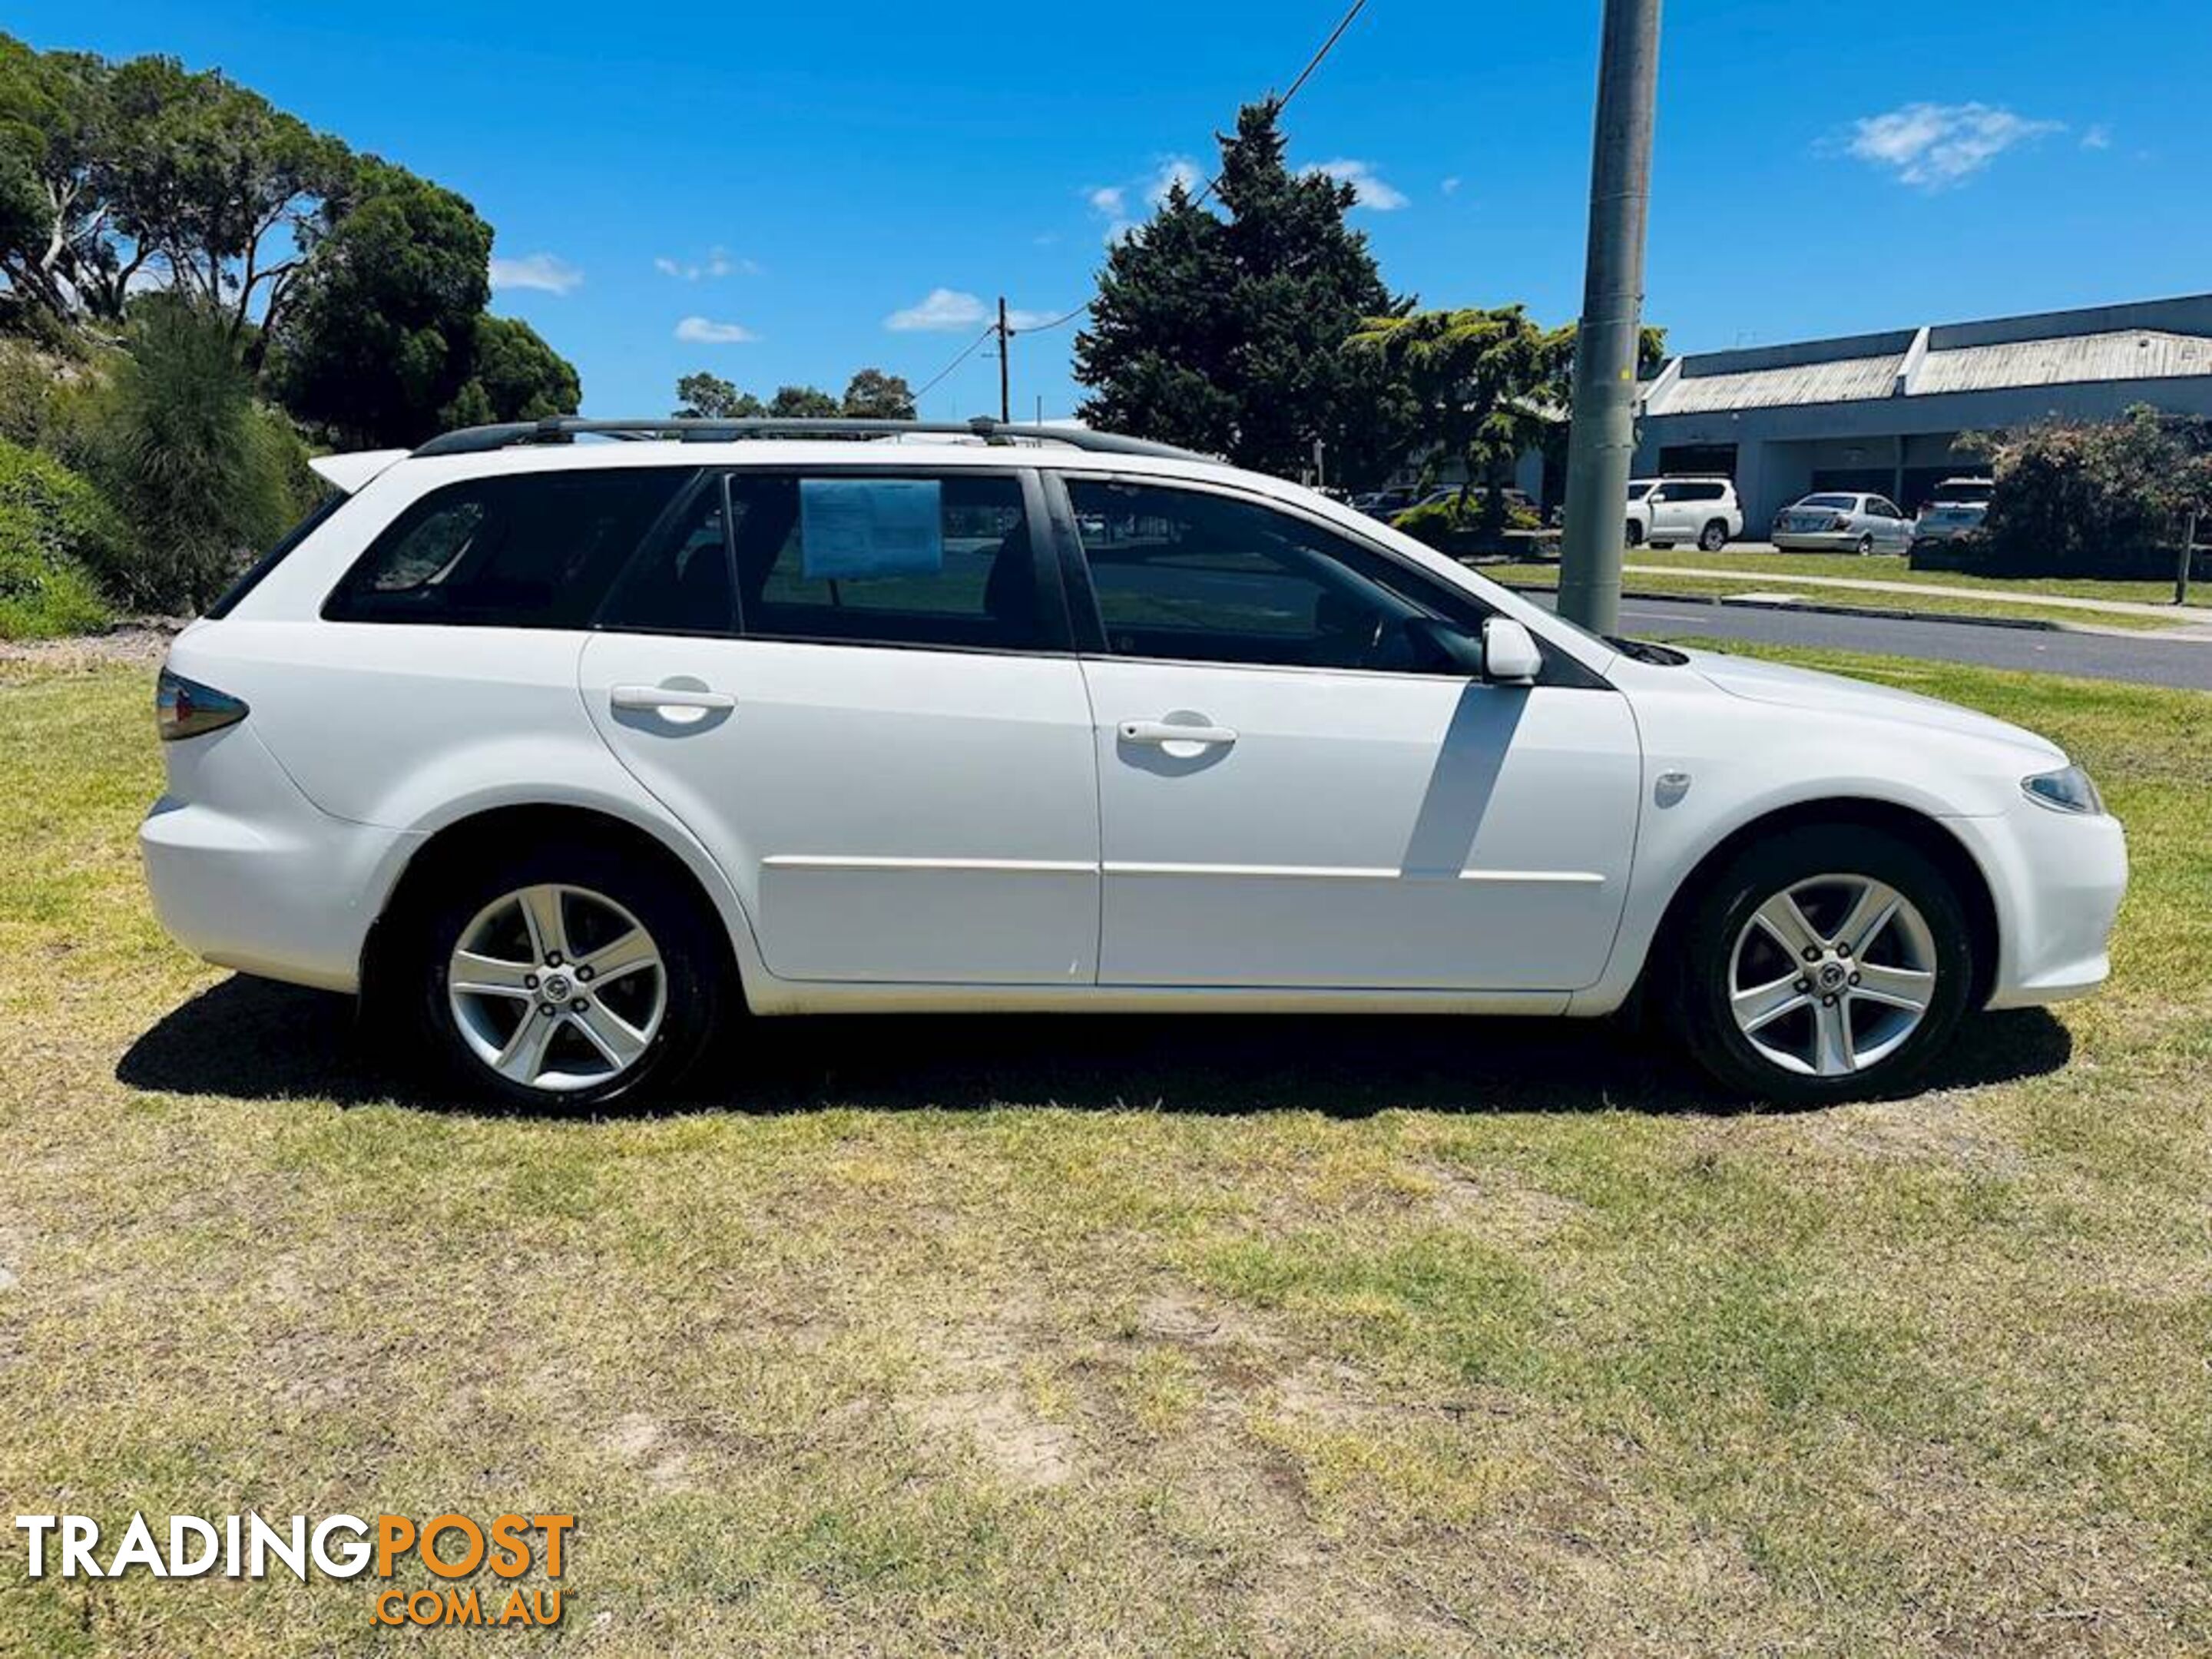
(2185, 663)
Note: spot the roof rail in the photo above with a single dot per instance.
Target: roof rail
(567, 428)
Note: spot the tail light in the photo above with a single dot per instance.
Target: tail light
(185, 708)
(1839, 522)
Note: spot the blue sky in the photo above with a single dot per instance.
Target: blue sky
(789, 192)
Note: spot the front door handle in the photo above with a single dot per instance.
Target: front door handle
(1164, 732)
(669, 697)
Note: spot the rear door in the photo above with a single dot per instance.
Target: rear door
(1293, 794)
(1893, 529)
(855, 687)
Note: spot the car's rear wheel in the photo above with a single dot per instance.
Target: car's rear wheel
(1713, 538)
(1866, 545)
(568, 977)
(1824, 965)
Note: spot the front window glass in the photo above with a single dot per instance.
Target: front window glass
(1190, 576)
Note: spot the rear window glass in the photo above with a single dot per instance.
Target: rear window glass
(534, 550)
(864, 559)
(1842, 503)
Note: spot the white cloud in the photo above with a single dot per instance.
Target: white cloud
(702, 331)
(1934, 146)
(719, 262)
(1369, 191)
(949, 309)
(2098, 138)
(945, 308)
(1451, 185)
(1112, 200)
(547, 273)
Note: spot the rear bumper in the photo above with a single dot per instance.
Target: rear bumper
(1817, 541)
(248, 873)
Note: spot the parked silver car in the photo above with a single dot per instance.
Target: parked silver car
(1941, 522)
(1836, 522)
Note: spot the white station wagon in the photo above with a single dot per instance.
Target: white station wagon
(569, 754)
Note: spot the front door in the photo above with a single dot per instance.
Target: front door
(1292, 794)
(856, 691)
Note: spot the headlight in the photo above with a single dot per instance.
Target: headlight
(2067, 790)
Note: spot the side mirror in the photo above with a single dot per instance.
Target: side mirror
(1509, 656)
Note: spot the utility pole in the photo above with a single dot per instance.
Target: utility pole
(1006, 340)
(1602, 439)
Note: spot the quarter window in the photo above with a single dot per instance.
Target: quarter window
(853, 558)
(533, 549)
(1195, 577)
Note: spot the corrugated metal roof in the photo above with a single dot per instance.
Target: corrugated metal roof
(2128, 354)
(1841, 379)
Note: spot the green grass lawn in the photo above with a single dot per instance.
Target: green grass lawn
(1182, 1336)
(1894, 567)
(1547, 576)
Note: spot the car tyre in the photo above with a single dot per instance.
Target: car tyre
(1731, 972)
(1713, 538)
(623, 1031)
(1866, 546)
(1635, 533)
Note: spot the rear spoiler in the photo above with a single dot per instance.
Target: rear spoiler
(346, 473)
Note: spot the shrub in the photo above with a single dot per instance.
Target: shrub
(1456, 524)
(55, 530)
(2092, 498)
(203, 473)
(27, 389)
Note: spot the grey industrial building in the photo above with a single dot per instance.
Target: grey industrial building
(1885, 412)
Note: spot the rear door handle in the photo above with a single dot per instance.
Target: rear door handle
(668, 696)
(1163, 732)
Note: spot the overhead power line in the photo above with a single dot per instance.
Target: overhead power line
(930, 384)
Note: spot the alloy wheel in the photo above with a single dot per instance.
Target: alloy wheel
(1832, 975)
(556, 987)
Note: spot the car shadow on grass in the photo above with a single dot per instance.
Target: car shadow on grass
(257, 1040)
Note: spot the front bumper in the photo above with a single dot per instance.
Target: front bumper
(247, 872)
(2061, 878)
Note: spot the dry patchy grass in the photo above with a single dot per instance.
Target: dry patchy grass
(1197, 1336)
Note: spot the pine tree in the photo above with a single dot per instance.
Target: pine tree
(1224, 332)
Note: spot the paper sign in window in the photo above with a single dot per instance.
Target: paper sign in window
(852, 527)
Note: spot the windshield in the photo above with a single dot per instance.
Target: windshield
(1637, 492)
(1844, 502)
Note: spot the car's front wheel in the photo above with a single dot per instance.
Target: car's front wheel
(1824, 964)
(567, 976)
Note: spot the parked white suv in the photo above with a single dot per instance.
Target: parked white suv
(569, 753)
(1664, 510)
